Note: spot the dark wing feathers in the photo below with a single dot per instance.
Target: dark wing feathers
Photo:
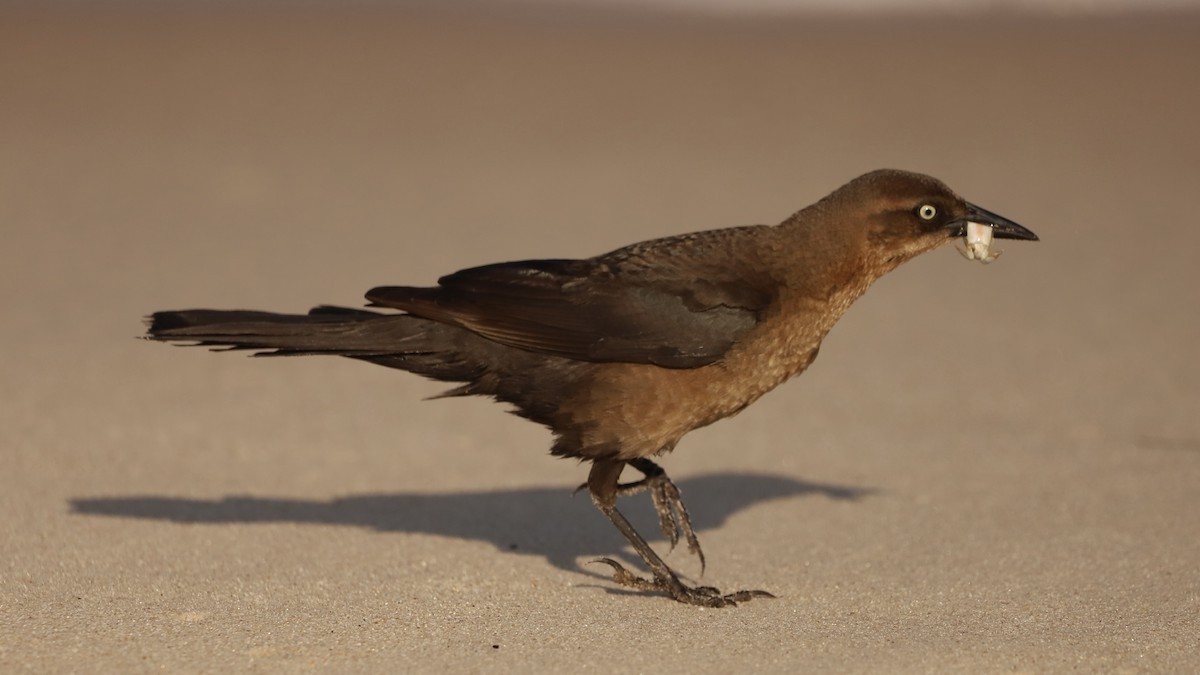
(583, 309)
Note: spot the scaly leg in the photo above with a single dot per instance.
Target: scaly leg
(672, 514)
(673, 517)
(604, 487)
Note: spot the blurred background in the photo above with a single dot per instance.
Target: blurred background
(188, 154)
(1027, 430)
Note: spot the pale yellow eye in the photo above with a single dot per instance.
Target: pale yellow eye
(927, 211)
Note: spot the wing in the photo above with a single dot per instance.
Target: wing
(671, 315)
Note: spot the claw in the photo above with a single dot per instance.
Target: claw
(704, 596)
(625, 577)
(743, 596)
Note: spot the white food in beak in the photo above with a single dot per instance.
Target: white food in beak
(978, 242)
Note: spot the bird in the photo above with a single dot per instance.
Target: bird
(622, 354)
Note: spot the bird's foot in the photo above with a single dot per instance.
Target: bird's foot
(704, 596)
(673, 517)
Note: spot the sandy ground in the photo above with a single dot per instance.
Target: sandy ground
(990, 469)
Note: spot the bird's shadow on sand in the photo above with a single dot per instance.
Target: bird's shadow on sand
(544, 521)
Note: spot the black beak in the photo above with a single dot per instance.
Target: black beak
(1002, 228)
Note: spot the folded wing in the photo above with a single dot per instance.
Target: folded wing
(587, 310)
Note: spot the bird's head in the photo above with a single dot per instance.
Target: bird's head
(900, 215)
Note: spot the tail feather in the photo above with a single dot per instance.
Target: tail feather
(421, 346)
(325, 330)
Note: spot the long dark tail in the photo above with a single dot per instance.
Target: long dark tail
(324, 330)
(533, 383)
(395, 340)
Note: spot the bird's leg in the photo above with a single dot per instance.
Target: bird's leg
(673, 517)
(604, 488)
(672, 514)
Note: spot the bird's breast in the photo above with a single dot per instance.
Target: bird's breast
(645, 409)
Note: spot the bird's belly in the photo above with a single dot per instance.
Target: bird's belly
(644, 410)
